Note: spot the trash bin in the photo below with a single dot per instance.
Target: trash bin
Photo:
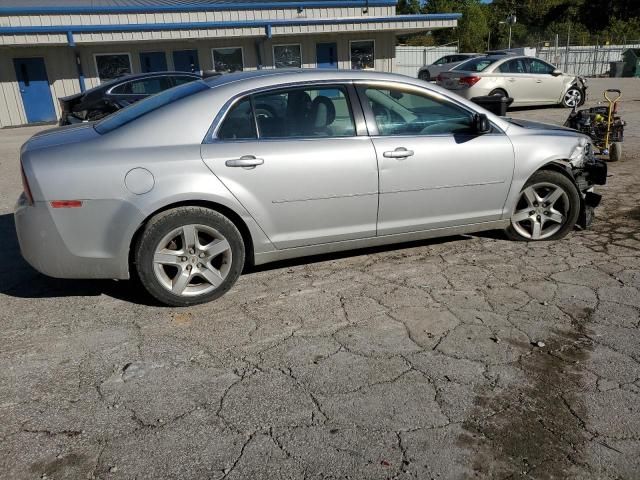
(494, 103)
(631, 62)
(616, 69)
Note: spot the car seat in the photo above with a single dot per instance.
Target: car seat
(321, 116)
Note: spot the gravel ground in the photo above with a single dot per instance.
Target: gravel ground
(413, 361)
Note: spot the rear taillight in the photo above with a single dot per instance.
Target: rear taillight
(439, 78)
(25, 187)
(469, 81)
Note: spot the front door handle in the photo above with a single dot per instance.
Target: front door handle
(248, 161)
(538, 81)
(399, 152)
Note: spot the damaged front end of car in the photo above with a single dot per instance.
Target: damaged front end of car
(587, 171)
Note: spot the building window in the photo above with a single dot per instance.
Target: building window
(228, 59)
(112, 65)
(362, 55)
(287, 56)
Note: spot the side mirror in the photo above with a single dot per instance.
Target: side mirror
(481, 123)
(556, 72)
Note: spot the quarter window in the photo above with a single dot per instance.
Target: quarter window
(397, 112)
(287, 56)
(362, 55)
(228, 60)
(112, 65)
(239, 123)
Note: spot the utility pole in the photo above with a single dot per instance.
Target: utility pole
(511, 20)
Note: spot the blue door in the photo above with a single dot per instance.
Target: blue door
(327, 55)
(153, 62)
(34, 88)
(186, 61)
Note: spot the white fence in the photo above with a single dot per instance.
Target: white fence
(410, 59)
(586, 60)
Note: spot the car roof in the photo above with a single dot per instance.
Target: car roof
(292, 75)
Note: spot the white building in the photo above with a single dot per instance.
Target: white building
(55, 49)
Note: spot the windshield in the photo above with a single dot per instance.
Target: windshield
(474, 65)
(154, 102)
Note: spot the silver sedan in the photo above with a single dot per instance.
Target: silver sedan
(187, 187)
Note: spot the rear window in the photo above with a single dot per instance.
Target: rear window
(137, 110)
(474, 65)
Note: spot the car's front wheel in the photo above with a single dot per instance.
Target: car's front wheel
(547, 208)
(189, 255)
(573, 97)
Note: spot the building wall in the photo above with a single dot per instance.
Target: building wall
(63, 75)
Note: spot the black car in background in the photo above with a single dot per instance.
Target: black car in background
(115, 94)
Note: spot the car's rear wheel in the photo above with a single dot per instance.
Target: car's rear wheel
(573, 97)
(498, 92)
(189, 255)
(547, 208)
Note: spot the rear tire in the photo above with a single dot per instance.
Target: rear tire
(615, 152)
(546, 209)
(498, 92)
(189, 255)
(425, 75)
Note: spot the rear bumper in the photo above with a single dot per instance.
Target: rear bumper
(44, 249)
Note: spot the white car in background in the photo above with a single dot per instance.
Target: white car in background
(528, 80)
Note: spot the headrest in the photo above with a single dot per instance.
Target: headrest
(323, 112)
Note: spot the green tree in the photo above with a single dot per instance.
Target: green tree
(408, 7)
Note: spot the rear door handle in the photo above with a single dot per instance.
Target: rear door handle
(399, 152)
(248, 161)
(538, 81)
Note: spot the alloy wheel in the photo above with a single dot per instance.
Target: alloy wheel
(192, 260)
(541, 211)
(573, 97)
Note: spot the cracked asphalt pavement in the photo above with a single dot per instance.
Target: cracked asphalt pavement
(462, 357)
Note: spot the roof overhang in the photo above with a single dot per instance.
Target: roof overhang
(254, 28)
(151, 6)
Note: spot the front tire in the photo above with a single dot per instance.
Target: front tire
(425, 75)
(189, 255)
(573, 97)
(547, 208)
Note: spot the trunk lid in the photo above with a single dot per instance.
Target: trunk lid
(457, 80)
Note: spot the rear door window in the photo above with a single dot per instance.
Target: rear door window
(239, 123)
(304, 112)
